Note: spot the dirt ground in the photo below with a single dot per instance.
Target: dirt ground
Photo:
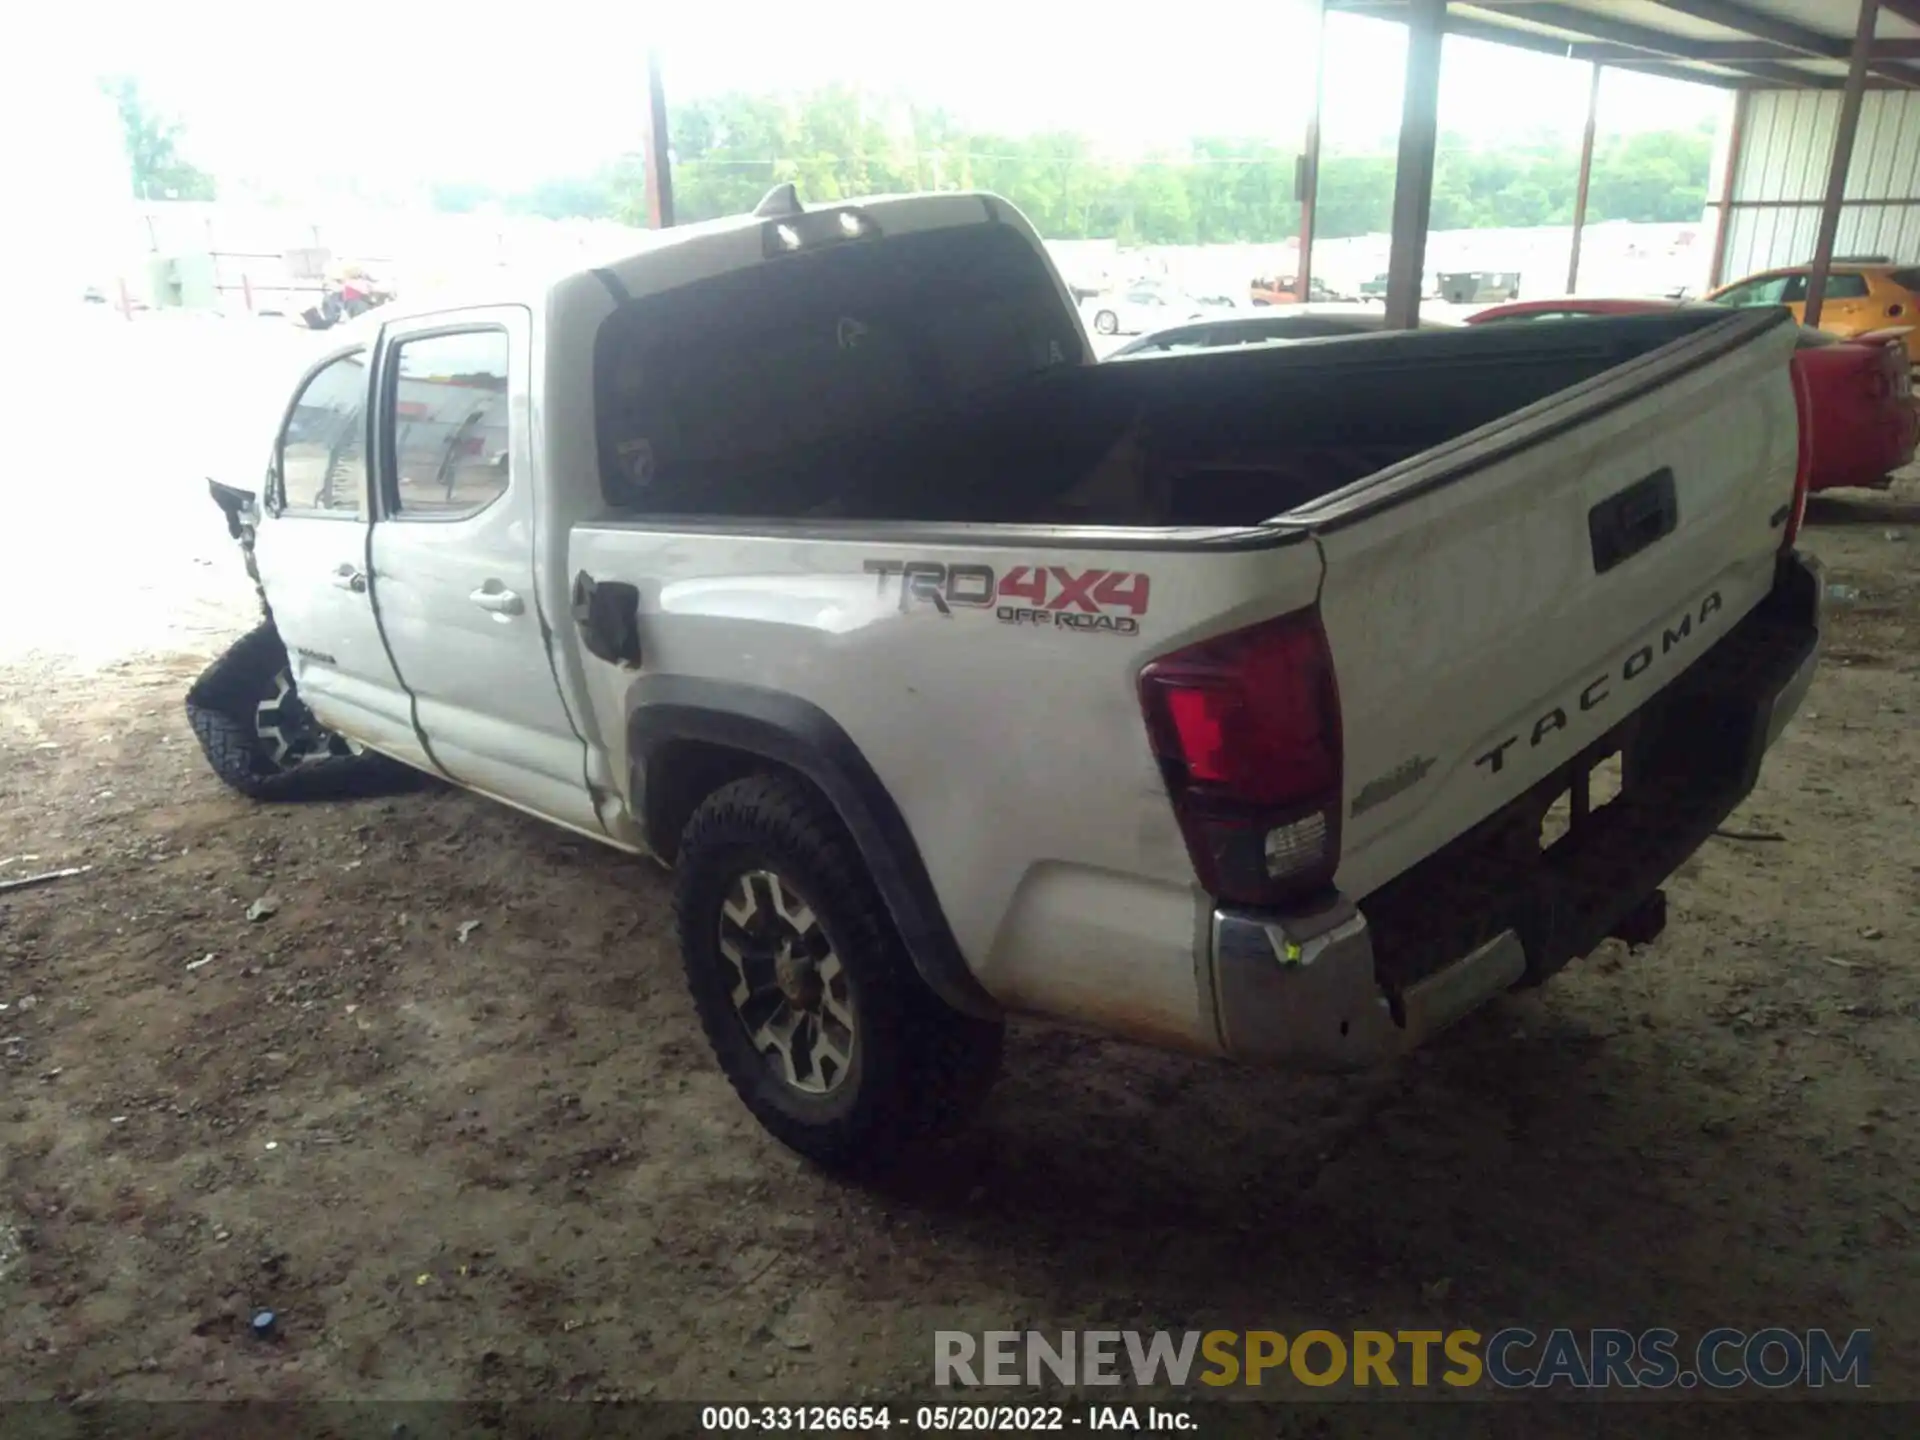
(447, 1112)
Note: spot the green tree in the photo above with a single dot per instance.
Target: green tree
(839, 141)
(1657, 175)
(152, 147)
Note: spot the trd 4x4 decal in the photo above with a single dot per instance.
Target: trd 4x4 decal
(1051, 595)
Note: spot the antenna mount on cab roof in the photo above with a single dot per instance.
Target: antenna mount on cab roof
(780, 201)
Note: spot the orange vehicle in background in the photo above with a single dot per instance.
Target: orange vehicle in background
(1867, 295)
(1279, 290)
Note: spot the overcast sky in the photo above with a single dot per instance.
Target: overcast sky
(424, 89)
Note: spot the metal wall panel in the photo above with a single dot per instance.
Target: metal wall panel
(1784, 156)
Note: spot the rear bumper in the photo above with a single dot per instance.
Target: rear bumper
(1302, 991)
(1866, 453)
(1348, 986)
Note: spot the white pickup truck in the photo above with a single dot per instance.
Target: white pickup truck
(1247, 701)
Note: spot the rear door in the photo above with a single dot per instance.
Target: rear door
(453, 550)
(1845, 309)
(1497, 604)
(311, 552)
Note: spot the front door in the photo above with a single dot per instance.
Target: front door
(311, 551)
(453, 561)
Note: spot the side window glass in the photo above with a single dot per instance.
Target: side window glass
(323, 449)
(449, 425)
(1846, 287)
(1773, 290)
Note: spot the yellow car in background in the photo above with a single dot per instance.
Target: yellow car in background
(1864, 297)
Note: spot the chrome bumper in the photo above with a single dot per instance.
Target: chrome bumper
(1299, 991)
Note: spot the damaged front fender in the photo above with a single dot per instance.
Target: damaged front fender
(242, 509)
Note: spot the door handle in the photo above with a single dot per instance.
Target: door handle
(498, 600)
(348, 577)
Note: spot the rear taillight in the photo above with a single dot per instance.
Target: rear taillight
(1246, 728)
(1803, 472)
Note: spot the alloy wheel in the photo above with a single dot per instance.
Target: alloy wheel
(789, 990)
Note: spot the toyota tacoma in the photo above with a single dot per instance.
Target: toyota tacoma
(1248, 702)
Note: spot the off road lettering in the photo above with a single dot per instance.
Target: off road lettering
(1053, 596)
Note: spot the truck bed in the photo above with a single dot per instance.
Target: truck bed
(1209, 438)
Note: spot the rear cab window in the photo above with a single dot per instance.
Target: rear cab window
(735, 396)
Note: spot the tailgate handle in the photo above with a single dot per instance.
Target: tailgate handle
(1625, 524)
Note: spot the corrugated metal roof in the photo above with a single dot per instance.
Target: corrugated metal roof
(1746, 43)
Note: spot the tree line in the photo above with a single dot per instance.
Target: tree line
(837, 141)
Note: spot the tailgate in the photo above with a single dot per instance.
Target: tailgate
(1496, 605)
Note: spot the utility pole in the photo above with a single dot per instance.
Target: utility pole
(1849, 122)
(659, 156)
(1413, 176)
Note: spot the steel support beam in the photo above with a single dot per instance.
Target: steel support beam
(659, 155)
(1736, 140)
(1850, 99)
(1308, 186)
(1769, 41)
(1413, 174)
(1473, 28)
(1762, 26)
(1656, 43)
(1732, 52)
(1586, 174)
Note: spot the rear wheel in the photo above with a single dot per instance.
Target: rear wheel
(261, 739)
(807, 995)
(1107, 323)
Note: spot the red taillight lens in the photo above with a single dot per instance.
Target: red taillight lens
(1247, 731)
(1803, 474)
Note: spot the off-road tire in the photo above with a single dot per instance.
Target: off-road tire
(224, 707)
(919, 1069)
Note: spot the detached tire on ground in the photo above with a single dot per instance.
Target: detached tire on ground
(260, 739)
(808, 997)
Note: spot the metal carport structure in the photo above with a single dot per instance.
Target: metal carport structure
(1811, 77)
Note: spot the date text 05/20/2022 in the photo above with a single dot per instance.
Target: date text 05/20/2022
(931, 1419)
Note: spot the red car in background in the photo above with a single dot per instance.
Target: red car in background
(1857, 395)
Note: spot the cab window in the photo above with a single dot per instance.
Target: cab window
(1839, 287)
(322, 455)
(447, 425)
(1767, 290)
